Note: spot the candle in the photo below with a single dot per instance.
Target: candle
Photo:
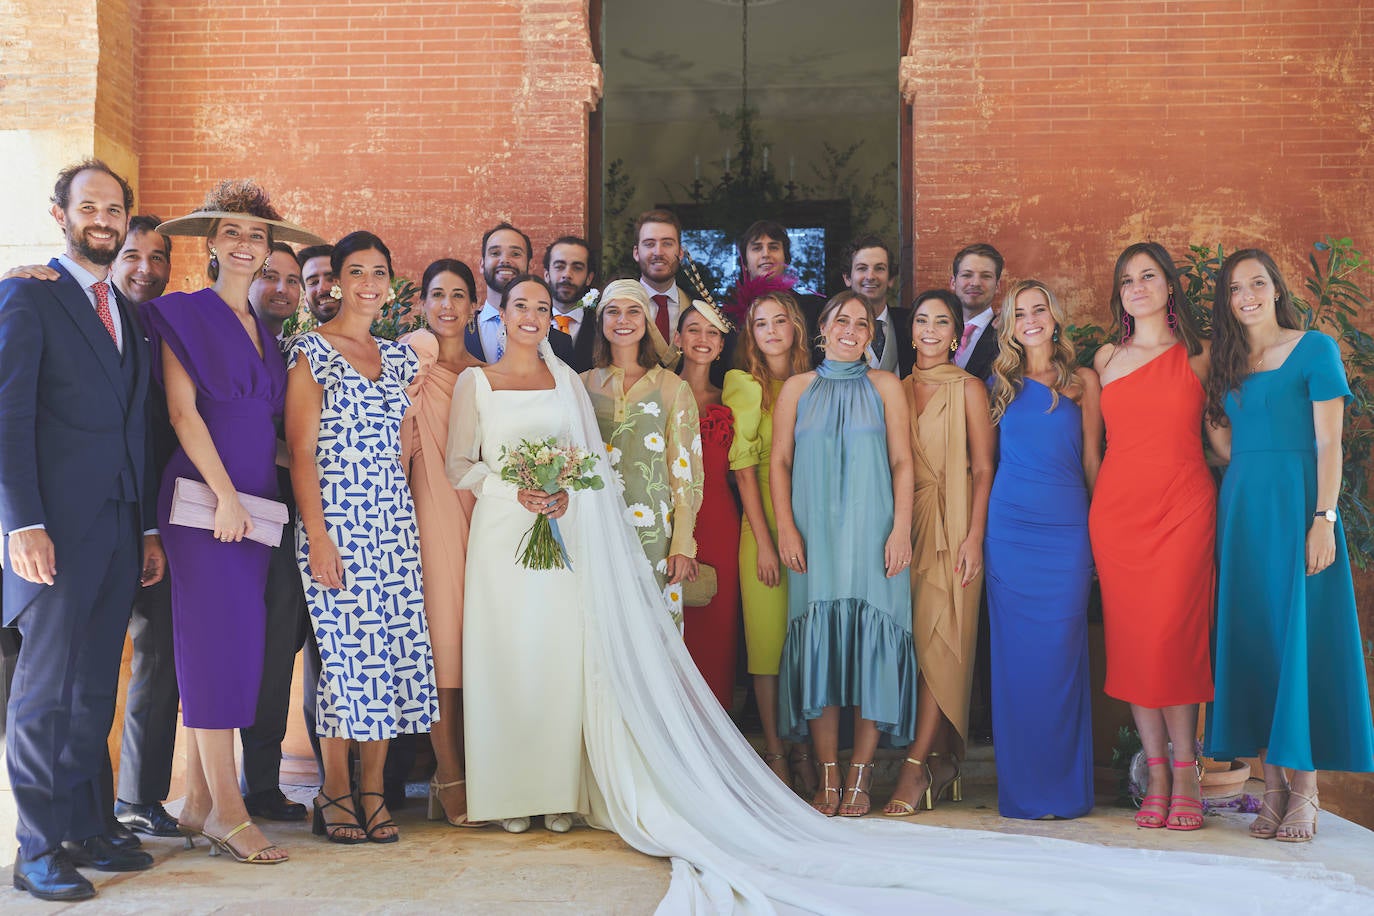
(765, 159)
(696, 168)
(727, 159)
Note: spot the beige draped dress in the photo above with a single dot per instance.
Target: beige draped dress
(442, 512)
(944, 613)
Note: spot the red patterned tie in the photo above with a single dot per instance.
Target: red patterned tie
(102, 307)
(661, 315)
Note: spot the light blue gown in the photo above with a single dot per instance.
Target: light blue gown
(1290, 672)
(848, 625)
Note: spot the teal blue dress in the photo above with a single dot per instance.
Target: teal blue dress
(1290, 673)
(848, 625)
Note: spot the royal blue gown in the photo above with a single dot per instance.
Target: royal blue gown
(1039, 575)
(1290, 673)
(848, 624)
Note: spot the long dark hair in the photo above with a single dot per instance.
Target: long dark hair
(452, 266)
(1188, 329)
(1231, 357)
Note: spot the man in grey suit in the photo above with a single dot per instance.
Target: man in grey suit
(868, 266)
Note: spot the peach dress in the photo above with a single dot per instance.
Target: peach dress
(443, 513)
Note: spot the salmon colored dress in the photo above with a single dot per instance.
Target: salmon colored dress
(1153, 528)
(442, 512)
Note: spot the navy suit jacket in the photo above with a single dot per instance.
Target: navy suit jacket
(984, 353)
(69, 422)
(561, 343)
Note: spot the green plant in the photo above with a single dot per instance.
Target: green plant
(397, 316)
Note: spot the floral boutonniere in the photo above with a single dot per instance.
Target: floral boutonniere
(589, 299)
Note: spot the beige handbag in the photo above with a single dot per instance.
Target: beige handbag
(700, 592)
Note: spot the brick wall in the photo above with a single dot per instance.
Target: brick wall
(422, 121)
(1062, 131)
(48, 59)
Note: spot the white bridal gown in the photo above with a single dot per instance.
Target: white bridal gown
(672, 776)
(522, 629)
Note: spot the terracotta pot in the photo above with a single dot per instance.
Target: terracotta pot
(1224, 779)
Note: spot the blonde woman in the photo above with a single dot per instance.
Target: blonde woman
(772, 348)
(1049, 420)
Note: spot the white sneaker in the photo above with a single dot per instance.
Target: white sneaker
(515, 824)
(558, 823)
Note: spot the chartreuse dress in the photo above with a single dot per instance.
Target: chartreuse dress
(1290, 672)
(765, 608)
(848, 625)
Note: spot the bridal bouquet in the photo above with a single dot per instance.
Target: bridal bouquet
(544, 464)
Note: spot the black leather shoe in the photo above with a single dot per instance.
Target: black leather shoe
(150, 819)
(274, 806)
(51, 876)
(121, 836)
(99, 853)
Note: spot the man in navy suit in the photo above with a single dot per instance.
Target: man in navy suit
(570, 272)
(75, 493)
(975, 279)
(506, 255)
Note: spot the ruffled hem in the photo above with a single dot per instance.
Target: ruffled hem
(846, 652)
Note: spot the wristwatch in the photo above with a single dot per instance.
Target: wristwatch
(1328, 514)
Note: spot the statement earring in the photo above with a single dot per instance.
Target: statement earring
(953, 346)
(1170, 315)
(390, 296)
(472, 323)
(335, 292)
(214, 258)
(1127, 327)
(1055, 336)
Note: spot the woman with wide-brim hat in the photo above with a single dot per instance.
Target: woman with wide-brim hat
(225, 383)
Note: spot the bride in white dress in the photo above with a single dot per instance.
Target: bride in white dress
(667, 770)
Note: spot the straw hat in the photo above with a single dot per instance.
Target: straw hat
(198, 222)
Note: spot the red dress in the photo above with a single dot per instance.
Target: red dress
(1153, 526)
(712, 632)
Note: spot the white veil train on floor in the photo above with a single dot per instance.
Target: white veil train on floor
(673, 777)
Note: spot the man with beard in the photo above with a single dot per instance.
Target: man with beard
(74, 374)
(868, 272)
(141, 271)
(274, 297)
(276, 293)
(506, 253)
(975, 279)
(569, 271)
(318, 275)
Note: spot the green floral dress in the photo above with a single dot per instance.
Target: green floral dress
(653, 439)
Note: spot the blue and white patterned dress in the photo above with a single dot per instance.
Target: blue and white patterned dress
(377, 671)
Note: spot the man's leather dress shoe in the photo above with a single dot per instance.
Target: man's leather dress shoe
(51, 876)
(150, 819)
(99, 853)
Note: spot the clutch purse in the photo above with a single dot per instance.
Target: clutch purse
(700, 592)
(193, 506)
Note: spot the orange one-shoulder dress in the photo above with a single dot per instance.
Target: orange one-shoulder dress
(1153, 529)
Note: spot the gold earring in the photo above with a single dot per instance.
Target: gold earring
(953, 346)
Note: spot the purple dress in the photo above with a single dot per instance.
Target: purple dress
(219, 614)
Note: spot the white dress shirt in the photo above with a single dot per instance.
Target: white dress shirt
(889, 356)
(673, 307)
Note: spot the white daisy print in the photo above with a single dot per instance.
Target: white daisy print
(650, 407)
(613, 454)
(682, 465)
(654, 442)
(666, 514)
(673, 595)
(696, 445)
(639, 515)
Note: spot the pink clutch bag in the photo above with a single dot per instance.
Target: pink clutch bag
(193, 506)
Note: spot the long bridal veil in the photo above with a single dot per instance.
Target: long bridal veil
(673, 777)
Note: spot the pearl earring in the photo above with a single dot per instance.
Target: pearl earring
(335, 292)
